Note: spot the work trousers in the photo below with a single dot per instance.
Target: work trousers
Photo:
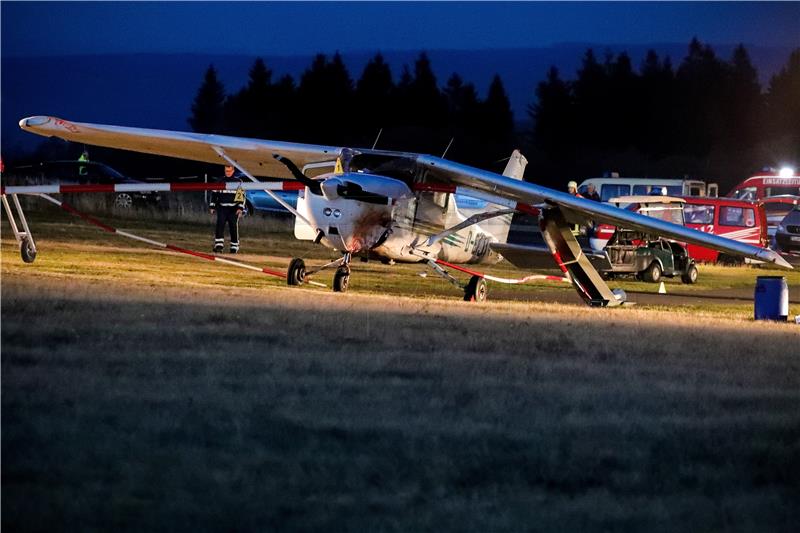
(227, 215)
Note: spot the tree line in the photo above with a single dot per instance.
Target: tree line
(707, 117)
(328, 107)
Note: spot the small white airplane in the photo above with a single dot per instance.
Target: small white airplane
(397, 206)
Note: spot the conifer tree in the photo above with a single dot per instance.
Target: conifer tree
(207, 109)
(783, 110)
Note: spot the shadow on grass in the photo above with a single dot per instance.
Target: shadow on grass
(213, 413)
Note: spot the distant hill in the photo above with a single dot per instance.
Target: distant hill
(157, 90)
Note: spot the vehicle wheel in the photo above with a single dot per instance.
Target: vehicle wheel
(123, 200)
(27, 251)
(690, 276)
(653, 273)
(296, 274)
(476, 290)
(341, 280)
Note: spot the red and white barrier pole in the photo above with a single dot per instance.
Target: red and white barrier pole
(513, 281)
(153, 187)
(209, 257)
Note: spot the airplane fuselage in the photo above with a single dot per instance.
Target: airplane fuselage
(396, 229)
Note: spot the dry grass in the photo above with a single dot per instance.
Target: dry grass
(242, 409)
(172, 395)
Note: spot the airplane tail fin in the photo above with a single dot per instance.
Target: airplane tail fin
(516, 166)
(500, 226)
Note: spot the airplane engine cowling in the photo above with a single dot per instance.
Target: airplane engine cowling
(354, 211)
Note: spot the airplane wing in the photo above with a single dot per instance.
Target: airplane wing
(254, 154)
(579, 210)
(257, 157)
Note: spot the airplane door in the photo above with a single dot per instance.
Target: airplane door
(431, 212)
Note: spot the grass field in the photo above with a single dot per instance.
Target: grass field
(149, 391)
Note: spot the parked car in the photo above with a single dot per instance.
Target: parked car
(776, 208)
(787, 235)
(739, 220)
(256, 201)
(82, 172)
(647, 258)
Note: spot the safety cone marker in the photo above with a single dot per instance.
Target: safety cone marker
(662, 289)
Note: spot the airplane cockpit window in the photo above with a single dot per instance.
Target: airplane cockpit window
(346, 157)
(440, 199)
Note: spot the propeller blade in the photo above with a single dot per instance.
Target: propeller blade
(313, 185)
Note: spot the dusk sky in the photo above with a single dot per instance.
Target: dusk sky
(48, 28)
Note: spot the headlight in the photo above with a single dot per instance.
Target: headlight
(337, 213)
(781, 227)
(327, 211)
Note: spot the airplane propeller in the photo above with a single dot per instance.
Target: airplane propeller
(334, 186)
(313, 185)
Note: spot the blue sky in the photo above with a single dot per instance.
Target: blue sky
(288, 28)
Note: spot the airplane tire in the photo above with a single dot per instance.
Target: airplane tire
(690, 276)
(653, 273)
(27, 251)
(341, 280)
(297, 272)
(476, 290)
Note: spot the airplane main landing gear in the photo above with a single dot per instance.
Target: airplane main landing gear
(476, 290)
(27, 248)
(296, 274)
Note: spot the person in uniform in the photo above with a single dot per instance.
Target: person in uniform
(228, 205)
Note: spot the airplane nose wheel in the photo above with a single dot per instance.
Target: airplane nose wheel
(476, 290)
(341, 280)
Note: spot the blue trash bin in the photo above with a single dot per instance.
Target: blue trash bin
(771, 300)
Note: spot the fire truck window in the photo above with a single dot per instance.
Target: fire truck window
(736, 216)
(699, 214)
(777, 191)
(748, 193)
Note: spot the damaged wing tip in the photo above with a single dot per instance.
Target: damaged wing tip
(775, 258)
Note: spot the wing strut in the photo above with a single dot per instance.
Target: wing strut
(27, 247)
(274, 196)
(572, 261)
(474, 219)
